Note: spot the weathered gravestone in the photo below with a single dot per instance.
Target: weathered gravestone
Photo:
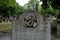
(31, 26)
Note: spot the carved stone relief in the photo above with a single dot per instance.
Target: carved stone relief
(31, 21)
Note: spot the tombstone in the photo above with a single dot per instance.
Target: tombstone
(31, 26)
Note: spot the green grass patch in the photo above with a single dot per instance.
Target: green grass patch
(6, 26)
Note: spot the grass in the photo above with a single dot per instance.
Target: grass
(6, 26)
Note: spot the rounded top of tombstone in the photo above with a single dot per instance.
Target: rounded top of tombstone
(31, 18)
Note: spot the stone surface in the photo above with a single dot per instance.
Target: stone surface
(31, 26)
(5, 36)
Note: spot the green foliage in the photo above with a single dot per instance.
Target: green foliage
(49, 11)
(32, 4)
(10, 8)
(44, 9)
(51, 7)
(54, 3)
(8, 2)
(19, 10)
(6, 6)
(44, 5)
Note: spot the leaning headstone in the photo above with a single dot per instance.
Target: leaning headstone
(31, 26)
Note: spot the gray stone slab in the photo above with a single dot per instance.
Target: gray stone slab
(30, 26)
(5, 36)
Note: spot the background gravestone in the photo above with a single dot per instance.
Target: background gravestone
(30, 26)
